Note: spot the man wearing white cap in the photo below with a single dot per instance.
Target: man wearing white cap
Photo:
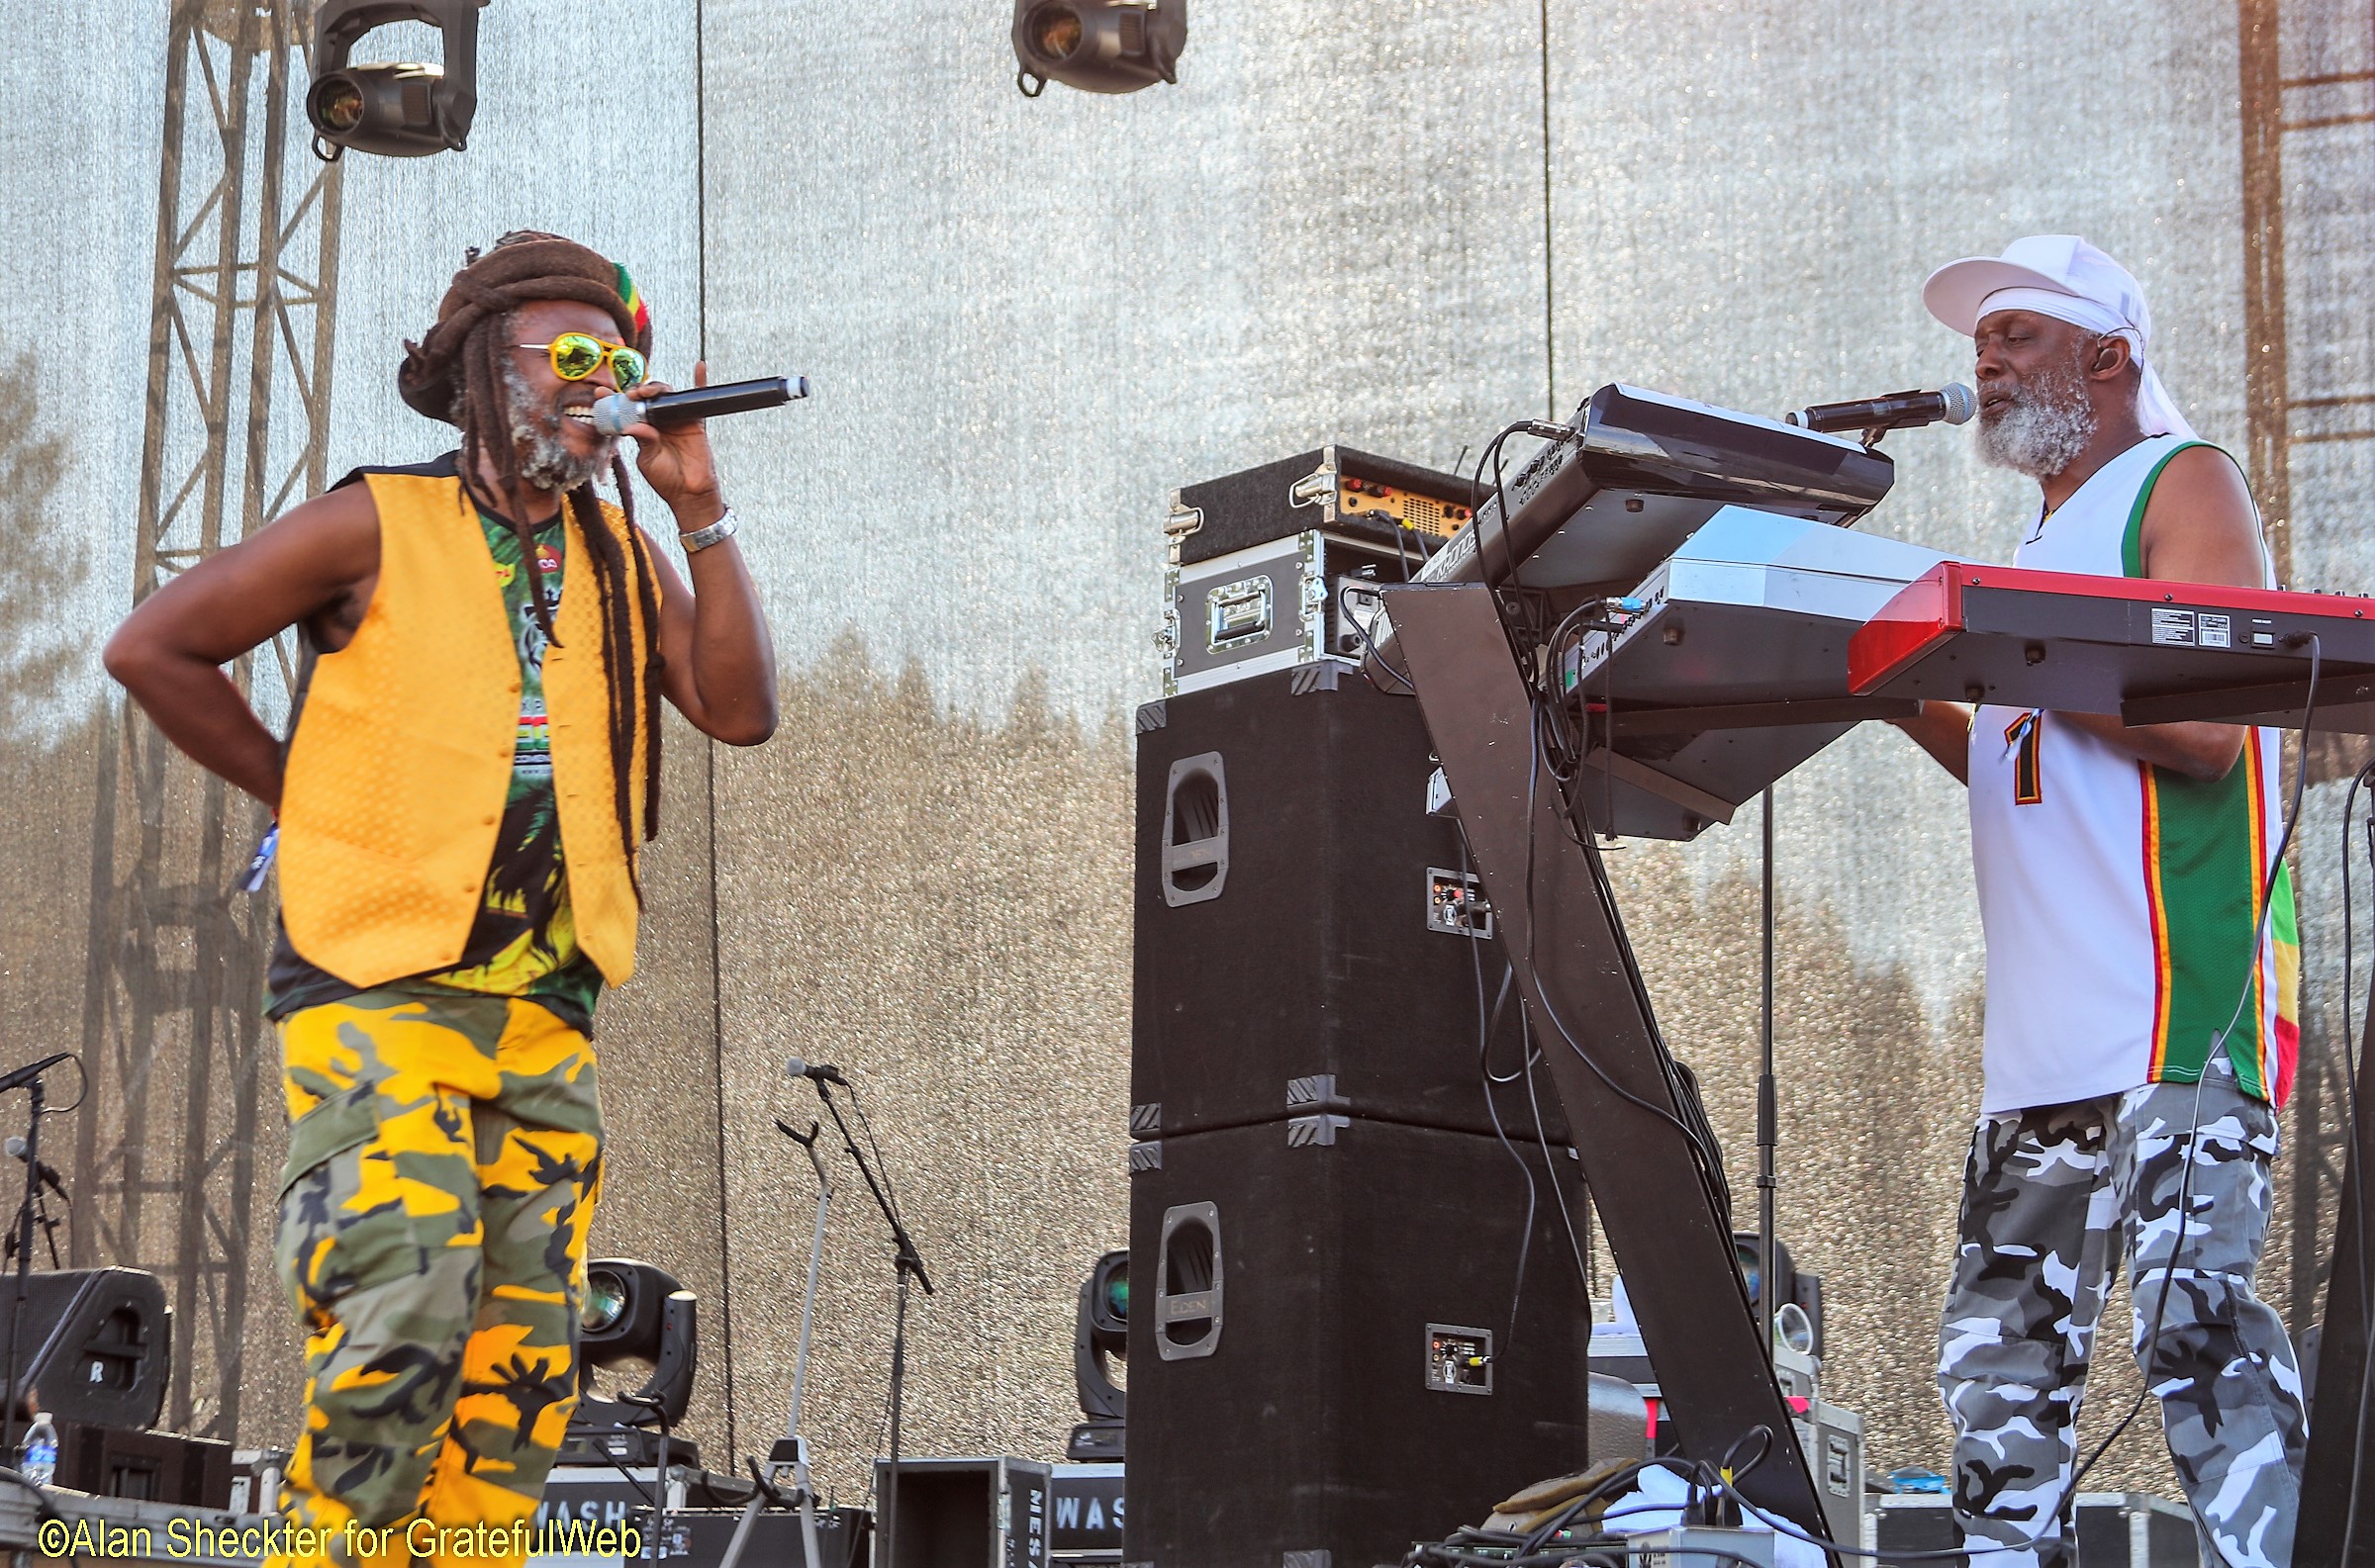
(2141, 963)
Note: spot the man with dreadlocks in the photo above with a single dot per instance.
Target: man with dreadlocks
(471, 766)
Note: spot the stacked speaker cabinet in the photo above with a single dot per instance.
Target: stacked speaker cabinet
(98, 1344)
(1326, 1230)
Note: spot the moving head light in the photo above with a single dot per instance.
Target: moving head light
(635, 1314)
(402, 111)
(1101, 1338)
(1099, 46)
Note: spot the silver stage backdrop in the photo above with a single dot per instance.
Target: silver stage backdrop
(1397, 222)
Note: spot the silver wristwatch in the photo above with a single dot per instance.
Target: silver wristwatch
(716, 532)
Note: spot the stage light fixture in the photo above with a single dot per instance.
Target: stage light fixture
(634, 1313)
(1099, 46)
(1101, 1337)
(399, 110)
(1790, 1287)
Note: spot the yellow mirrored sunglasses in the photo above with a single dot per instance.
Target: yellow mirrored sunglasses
(577, 355)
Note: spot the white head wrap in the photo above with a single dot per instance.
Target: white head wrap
(2069, 280)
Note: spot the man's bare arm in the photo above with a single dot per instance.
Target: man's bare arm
(1943, 730)
(720, 659)
(2199, 528)
(170, 651)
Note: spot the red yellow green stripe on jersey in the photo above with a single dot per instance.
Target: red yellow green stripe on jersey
(2204, 881)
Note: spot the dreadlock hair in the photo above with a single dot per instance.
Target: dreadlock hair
(457, 373)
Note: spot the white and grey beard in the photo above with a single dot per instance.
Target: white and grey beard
(2048, 423)
(544, 461)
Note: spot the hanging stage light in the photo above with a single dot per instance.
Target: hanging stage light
(405, 111)
(1099, 46)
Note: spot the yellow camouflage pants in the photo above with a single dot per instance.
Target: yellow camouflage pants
(445, 1160)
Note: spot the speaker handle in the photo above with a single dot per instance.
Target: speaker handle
(1195, 830)
(1188, 1282)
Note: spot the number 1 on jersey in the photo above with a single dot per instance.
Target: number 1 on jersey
(2021, 737)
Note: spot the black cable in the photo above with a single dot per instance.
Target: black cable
(1542, 1139)
(1491, 454)
(84, 1074)
(1703, 1155)
(1500, 497)
(1368, 644)
(2358, 1177)
(619, 1466)
(1700, 1137)
(880, 1165)
(1525, 1237)
(1493, 1029)
(2218, 1044)
(1741, 1472)
(1528, 1058)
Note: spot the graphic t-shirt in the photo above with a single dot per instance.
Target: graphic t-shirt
(523, 942)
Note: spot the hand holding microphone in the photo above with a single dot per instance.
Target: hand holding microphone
(672, 444)
(621, 415)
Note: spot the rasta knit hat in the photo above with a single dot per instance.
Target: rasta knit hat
(524, 266)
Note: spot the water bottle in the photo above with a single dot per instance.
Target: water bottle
(37, 1457)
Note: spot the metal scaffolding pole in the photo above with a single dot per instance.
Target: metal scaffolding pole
(240, 327)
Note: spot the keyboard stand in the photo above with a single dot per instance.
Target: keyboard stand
(1577, 975)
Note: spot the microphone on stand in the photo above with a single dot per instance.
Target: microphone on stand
(822, 1072)
(47, 1171)
(32, 1071)
(615, 413)
(1951, 405)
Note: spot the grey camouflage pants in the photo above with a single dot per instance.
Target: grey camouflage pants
(2053, 1197)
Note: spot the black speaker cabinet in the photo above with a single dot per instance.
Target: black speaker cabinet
(1307, 941)
(1322, 1358)
(98, 1344)
(151, 1466)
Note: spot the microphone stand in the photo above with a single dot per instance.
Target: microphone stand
(910, 1265)
(24, 1238)
(49, 1224)
(800, 1377)
(1768, 1134)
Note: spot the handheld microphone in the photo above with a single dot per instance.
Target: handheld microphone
(41, 1168)
(1952, 404)
(615, 413)
(823, 1071)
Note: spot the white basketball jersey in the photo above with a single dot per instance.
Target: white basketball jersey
(2119, 899)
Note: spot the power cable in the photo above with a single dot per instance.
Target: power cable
(1484, 1022)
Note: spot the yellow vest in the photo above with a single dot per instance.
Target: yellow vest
(402, 759)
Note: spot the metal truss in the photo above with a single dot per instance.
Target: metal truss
(240, 354)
